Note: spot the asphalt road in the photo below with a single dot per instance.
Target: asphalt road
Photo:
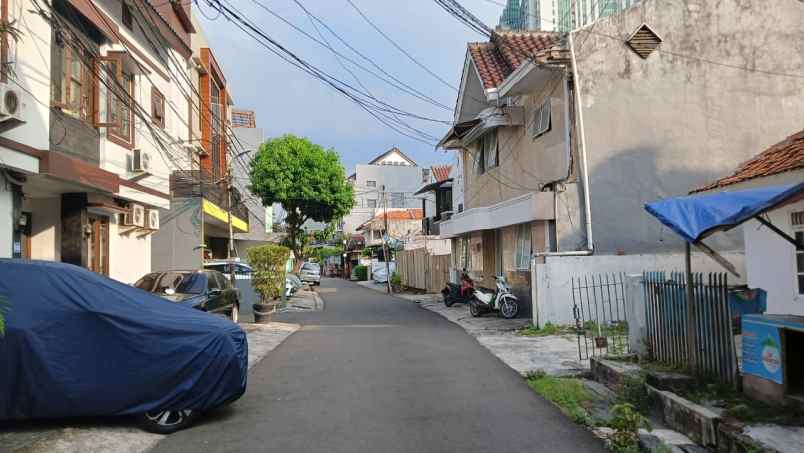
(373, 373)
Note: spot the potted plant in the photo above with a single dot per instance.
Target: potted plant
(268, 263)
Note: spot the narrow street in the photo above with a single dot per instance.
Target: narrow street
(373, 373)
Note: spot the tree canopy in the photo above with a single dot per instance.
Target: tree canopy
(306, 179)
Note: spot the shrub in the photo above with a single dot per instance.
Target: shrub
(361, 272)
(626, 423)
(4, 307)
(396, 279)
(268, 263)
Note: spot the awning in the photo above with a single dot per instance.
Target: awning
(464, 134)
(696, 217)
(434, 186)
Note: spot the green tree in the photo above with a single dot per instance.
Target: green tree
(306, 179)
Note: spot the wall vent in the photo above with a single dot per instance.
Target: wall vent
(798, 219)
(644, 41)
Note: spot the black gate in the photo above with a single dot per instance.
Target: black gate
(599, 308)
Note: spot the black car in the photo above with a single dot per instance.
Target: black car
(205, 290)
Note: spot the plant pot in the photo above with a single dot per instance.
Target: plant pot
(601, 342)
(264, 312)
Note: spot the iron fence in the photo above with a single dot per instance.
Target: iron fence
(599, 308)
(668, 318)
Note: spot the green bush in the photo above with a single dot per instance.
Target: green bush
(626, 422)
(361, 272)
(268, 263)
(4, 307)
(396, 279)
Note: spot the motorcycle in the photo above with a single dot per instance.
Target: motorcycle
(455, 293)
(501, 300)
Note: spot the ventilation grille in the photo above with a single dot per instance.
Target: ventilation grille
(798, 218)
(644, 41)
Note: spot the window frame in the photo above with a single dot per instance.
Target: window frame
(111, 131)
(157, 102)
(537, 128)
(371, 183)
(68, 54)
(797, 229)
(126, 17)
(369, 203)
(524, 246)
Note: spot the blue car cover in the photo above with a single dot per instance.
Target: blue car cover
(79, 344)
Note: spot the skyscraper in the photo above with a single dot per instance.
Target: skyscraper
(557, 15)
(512, 17)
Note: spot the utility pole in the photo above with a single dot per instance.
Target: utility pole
(229, 216)
(385, 240)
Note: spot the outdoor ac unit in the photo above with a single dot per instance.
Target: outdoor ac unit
(12, 109)
(152, 219)
(135, 216)
(141, 161)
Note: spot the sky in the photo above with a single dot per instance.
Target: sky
(287, 100)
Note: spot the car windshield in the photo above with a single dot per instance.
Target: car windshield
(310, 267)
(177, 282)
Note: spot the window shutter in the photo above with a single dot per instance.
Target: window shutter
(108, 72)
(541, 119)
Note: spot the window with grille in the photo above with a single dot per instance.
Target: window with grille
(371, 203)
(798, 231)
(523, 244)
(371, 183)
(541, 119)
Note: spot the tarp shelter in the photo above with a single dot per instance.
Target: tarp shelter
(698, 216)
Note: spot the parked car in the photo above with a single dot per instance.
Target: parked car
(80, 344)
(242, 271)
(204, 290)
(310, 273)
(292, 284)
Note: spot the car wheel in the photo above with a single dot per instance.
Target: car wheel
(235, 314)
(167, 422)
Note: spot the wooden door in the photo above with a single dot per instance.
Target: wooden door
(98, 244)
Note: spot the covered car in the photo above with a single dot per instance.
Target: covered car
(80, 344)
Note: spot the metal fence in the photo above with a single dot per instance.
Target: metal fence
(668, 319)
(599, 308)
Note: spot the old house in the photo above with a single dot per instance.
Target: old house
(564, 137)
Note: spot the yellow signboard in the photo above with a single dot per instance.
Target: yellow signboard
(212, 209)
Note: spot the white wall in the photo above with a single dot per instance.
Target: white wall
(129, 254)
(771, 261)
(45, 228)
(554, 277)
(6, 217)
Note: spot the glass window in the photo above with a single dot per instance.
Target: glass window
(147, 283)
(490, 150)
(523, 246)
(371, 183)
(72, 90)
(371, 203)
(116, 93)
(212, 281)
(157, 107)
(542, 119)
(397, 200)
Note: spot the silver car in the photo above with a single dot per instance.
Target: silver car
(310, 273)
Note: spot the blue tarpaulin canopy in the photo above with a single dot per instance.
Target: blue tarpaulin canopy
(697, 216)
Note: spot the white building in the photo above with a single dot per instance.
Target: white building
(103, 117)
(387, 181)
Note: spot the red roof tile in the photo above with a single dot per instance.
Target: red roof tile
(497, 59)
(441, 172)
(787, 155)
(404, 214)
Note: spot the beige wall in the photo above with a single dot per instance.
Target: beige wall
(525, 163)
(45, 227)
(129, 254)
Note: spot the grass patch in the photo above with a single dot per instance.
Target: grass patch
(546, 330)
(569, 394)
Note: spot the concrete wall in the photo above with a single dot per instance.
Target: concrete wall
(771, 261)
(554, 276)
(129, 253)
(661, 126)
(174, 246)
(525, 163)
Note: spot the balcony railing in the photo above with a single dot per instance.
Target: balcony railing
(195, 183)
(430, 226)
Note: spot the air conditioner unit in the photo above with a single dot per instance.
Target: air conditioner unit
(135, 216)
(12, 108)
(152, 219)
(141, 161)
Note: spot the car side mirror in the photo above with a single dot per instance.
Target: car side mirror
(215, 292)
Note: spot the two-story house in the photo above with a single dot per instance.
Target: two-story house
(564, 137)
(88, 156)
(387, 181)
(438, 205)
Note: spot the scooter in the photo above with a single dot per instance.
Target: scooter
(485, 300)
(463, 293)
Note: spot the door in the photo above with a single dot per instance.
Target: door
(98, 244)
